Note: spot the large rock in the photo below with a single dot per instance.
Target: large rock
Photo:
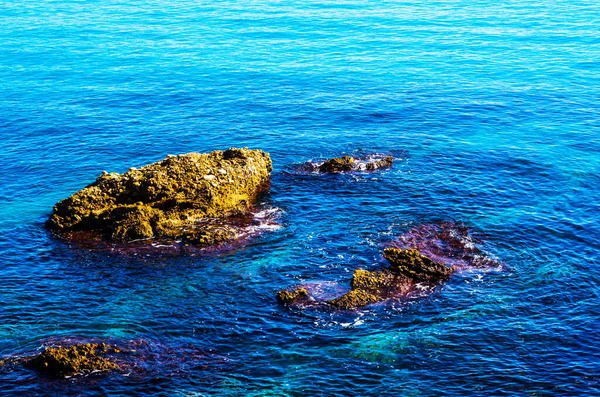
(199, 198)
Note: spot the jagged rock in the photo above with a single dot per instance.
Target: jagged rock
(292, 296)
(449, 243)
(343, 164)
(348, 163)
(80, 358)
(373, 281)
(424, 256)
(412, 264)
(190, 197)
(338, 164)
(407, 268)
(354, 299)
(376, 164)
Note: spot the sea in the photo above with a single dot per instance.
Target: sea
(491, 110)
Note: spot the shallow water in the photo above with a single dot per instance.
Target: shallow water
(491, 110)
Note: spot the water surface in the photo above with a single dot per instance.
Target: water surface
(492, 111)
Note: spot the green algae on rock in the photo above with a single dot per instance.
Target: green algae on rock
(191, 197)
(80, 358)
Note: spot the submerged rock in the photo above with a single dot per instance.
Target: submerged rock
(450, 243)
(140, 359)
(425, 256)
(77, 359)
(407, 268)
(199, 198)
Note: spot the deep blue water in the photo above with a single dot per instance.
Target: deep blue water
(493, 110)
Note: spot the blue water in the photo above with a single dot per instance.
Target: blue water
(493, 111)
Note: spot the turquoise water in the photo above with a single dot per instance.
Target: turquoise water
(490, 108)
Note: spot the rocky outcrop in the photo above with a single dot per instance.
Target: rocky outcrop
(338, 164)
(77, 359)
(423, 257)
(199, 198)
(450, 243)
(375, 164)
(407, 268)
(344, 164)
(348, 163)
(292, 296)
(354, 299)
(412, 264)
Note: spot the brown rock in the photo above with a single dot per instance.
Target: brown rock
(338, 164)
(297, 295)
(407, 268)
(354, 299)
(169, 199)
(414, 265)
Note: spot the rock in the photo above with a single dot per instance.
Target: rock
(373, 281)
(412, 264)
(169, 199)
(338, 164)
(385, 162)
(80, 358)
(297, 295)
(372, 286)
(348, 164)
(354, 299)
(450, 243)
(424, 256)
(407, 268)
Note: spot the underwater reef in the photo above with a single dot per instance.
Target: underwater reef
(202, 199)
